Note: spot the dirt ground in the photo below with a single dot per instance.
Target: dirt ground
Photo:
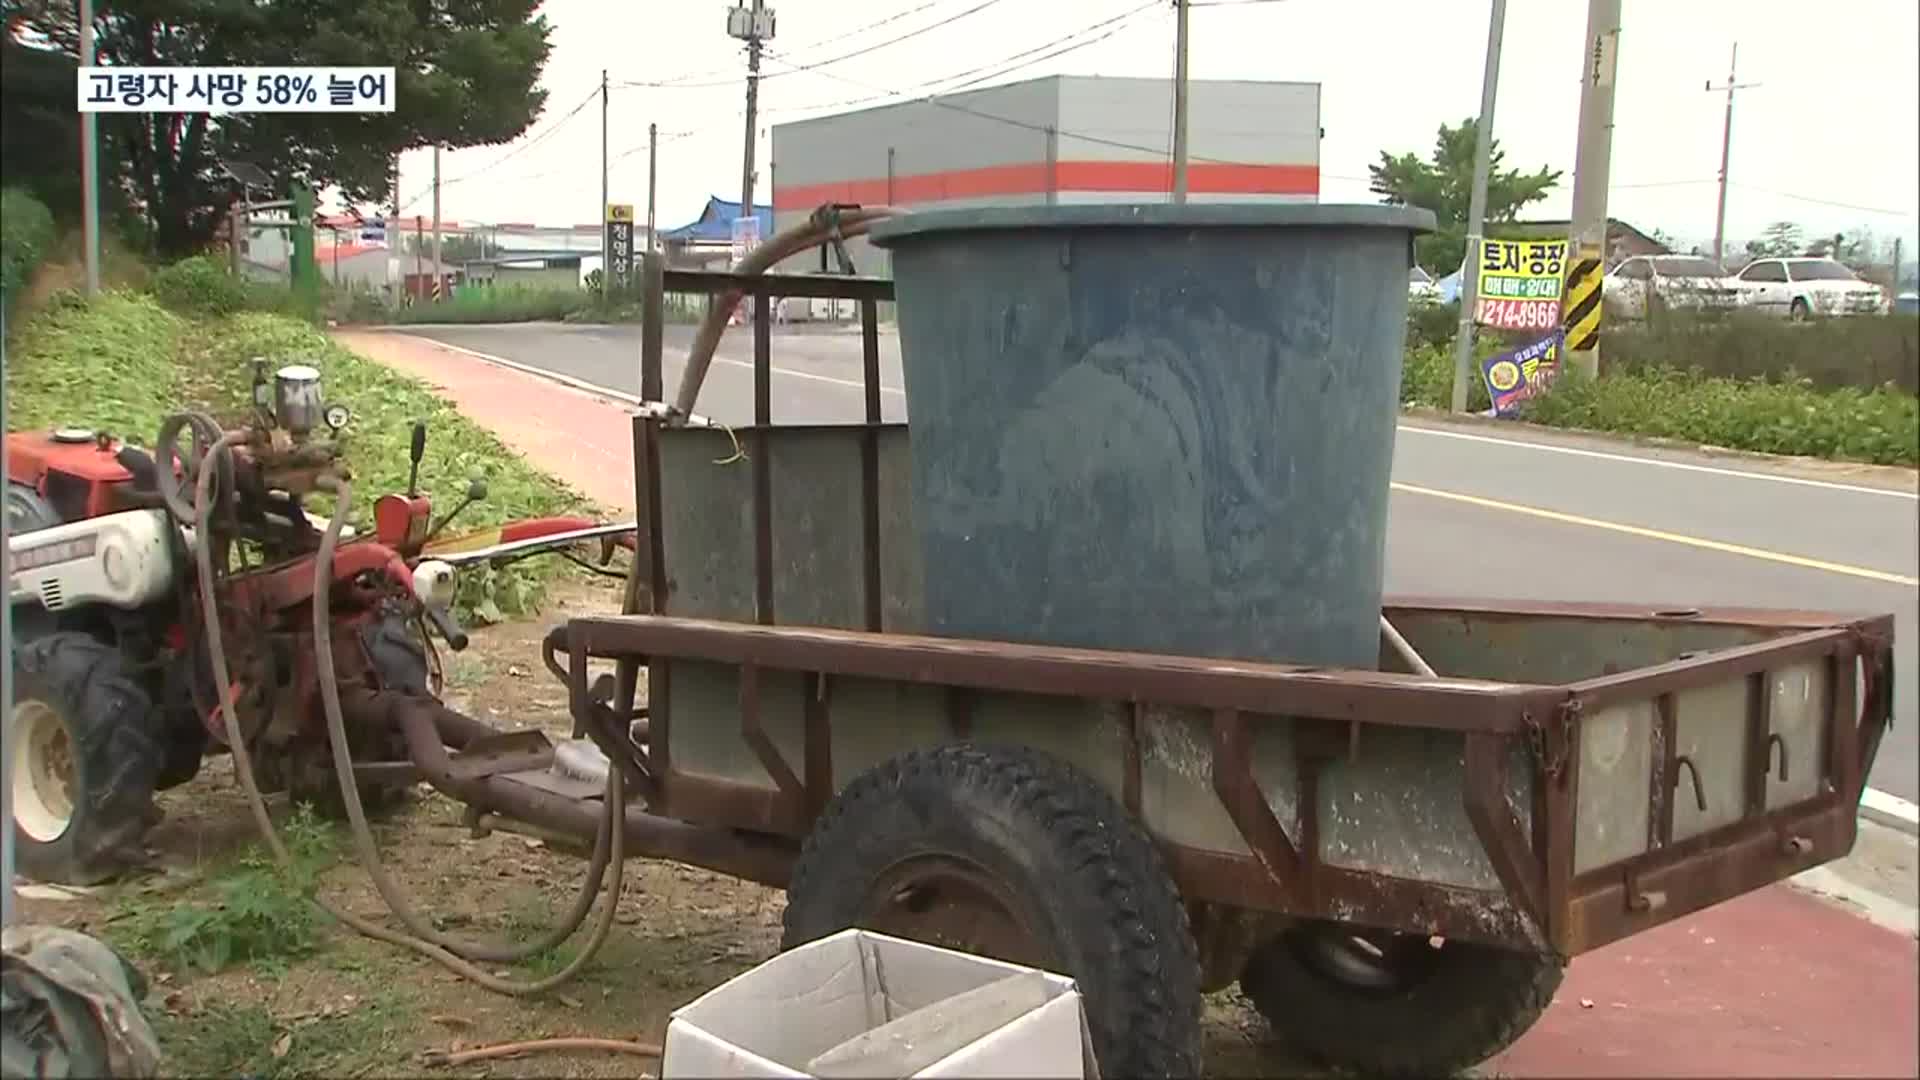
(351, 1006)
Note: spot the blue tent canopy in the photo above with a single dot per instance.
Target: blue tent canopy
(715, 224)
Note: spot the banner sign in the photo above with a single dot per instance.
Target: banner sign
(1519, 374)
(745, 236)
(619, 245)
(1520, 283)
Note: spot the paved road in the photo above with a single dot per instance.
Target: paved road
(1549, 517)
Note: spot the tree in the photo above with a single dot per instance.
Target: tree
(1779, 240)
(1444, 185)
(466, 75)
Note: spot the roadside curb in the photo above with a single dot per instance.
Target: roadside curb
(1891, 811)
(1902, 477)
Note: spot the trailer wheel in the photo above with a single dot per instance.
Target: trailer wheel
(84, 757)
(1009, 853)
(1389, 1004)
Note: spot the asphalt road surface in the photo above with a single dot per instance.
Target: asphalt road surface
(1474, 513)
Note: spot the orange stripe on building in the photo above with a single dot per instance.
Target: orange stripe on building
(1031, 178)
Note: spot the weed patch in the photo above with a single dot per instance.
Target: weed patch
(108, 364)
(253, 912)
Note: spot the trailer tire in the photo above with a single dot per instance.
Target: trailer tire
(1069, 882)
(1433, 1012)
(84, 757)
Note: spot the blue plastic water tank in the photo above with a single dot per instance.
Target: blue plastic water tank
(1155, 427)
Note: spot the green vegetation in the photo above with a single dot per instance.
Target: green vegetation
(468, 75)
(1734, 384)
(108, 364)
(123, 362)
(1770, 416)
(202, 286)
(501, 304)
(221, 1039)
(251, 911)
(1443, 183)
(1862, 353)
(26, 234)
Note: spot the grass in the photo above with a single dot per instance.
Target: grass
(123, 362)
(228, 1039)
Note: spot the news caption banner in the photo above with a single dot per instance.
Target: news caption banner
(1519, 284)
(235, 89)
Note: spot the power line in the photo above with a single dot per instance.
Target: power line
(681, 80)
(1662, 184)
(502, 159)
(1827, 202)
(813, 65)
(992, 70)
(1096, 140)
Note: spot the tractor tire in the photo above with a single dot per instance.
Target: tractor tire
(1010, 853)
(86, 747)
(1383, 1004)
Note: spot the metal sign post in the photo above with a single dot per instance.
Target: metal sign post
(6, 675)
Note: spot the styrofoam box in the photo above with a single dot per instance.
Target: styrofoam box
(861, 1004)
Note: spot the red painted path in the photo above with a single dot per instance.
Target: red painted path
(1777, 983)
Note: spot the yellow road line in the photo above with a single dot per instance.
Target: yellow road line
(1671, 538)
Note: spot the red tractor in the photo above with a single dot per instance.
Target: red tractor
(114, 696)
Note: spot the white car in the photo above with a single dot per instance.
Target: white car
(1799, 289)
(1649, 284)
(1421, 288)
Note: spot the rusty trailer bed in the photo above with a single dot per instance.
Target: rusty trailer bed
(1527, 814)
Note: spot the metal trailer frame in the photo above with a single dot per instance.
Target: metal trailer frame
(1547, 903)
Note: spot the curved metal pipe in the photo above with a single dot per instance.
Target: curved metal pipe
(813, 232)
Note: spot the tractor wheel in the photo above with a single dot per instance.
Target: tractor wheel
(85, 751)
(1386, 1004)
(1009, 853)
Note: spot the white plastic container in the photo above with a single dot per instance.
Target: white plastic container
(860, 1004)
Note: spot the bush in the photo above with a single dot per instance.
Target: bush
(1432, 325)
(1860, 351)
(26, 234)
(1775, 417)
(202, 285)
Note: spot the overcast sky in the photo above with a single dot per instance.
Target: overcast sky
(1829, 139)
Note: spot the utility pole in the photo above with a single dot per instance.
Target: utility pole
(1477, 209)
(1599, 62)
(1726, 149)
(653, 161)
(1180, 101)
(89, 164)
(606, 197)
(439, 272)
(754, 25)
